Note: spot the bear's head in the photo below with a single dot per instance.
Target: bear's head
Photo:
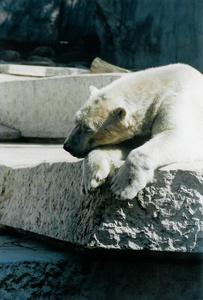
(103, 120)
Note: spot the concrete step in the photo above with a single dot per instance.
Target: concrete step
(19, 156)
(40, 193)
(39, 71)
(44, 107)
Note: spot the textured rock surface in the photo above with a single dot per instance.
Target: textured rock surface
(43, 196)
(147, 33)
(44, 107)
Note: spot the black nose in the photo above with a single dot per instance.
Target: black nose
(68, 148)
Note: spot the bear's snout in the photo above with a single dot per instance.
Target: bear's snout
(75, 151)
(77, 143)
(68, 148)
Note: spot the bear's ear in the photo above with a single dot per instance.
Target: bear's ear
(119, 113)
(93, 89)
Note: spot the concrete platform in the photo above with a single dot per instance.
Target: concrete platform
(40, 193)
(44, 107)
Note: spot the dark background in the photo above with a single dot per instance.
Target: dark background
(132, 34)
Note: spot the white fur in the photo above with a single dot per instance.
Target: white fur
(166, 102)
(97, 166)
(93, 90)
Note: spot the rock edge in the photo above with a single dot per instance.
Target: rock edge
(45, 199)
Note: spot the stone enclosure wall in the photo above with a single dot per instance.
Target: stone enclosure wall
(46, 21)
(67, 26)
(147, 33)
(133, 34)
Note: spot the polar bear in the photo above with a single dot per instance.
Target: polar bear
(164, 104)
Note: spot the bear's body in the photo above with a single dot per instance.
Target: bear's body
(165, 103)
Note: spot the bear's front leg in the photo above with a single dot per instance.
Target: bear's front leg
(97, 166)
(163, 149)
(132, 177)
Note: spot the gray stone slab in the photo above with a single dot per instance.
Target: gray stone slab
(39, 71)
(44, 107)
(43, 196)
(7, 133)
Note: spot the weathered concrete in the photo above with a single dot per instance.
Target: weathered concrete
(44, 107)
(40, 192)
(39, 71)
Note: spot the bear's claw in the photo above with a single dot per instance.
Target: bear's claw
(96, 169)
(125, 184)
(89, 187)
(121, 193)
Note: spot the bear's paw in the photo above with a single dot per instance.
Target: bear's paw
(96, 169)
(129, 180)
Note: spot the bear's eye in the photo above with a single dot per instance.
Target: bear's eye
(87, 129)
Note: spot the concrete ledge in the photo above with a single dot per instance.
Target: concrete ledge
(44, 107)
(39, 71)
(43, 197)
